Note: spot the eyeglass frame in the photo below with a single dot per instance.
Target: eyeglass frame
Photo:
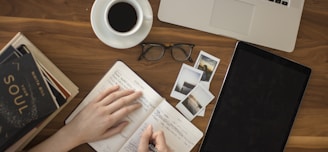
(165, 47)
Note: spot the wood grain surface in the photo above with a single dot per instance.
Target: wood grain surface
(62, 30)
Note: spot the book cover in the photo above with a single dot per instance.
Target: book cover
(53, 73)
(60, 97)
(25, 97)
(11, 53)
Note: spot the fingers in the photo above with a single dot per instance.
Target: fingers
(156, 138)
(119, 103)
(121, 99)
(159, 140)
(105, 93)
(115, 95)
(145, 138)
(122, 112)
(160, 143)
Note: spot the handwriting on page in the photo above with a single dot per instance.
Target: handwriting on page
(179, 136)
(120, 79)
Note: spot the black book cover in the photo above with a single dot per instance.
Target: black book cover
(11, 53)
(25, 97)
(21, 50)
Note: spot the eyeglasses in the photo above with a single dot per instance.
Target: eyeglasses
(155, 51)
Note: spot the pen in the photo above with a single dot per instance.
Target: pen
(152, 148)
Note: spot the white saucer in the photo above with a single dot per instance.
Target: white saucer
(99, 26)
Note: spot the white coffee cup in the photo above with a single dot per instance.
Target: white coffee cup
(123, 17)
(126, 38)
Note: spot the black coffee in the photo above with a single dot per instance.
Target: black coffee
(122, 17)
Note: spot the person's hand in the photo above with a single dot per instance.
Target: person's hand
(156, 138)
(102, 117)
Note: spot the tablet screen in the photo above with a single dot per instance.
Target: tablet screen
(257, 104)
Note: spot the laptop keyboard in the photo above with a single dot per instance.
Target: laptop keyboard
(282, 2)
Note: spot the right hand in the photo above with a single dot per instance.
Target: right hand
(156, 138)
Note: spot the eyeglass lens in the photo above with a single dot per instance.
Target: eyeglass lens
(181, 52)
(153, 52)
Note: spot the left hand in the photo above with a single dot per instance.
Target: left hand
(102, 117)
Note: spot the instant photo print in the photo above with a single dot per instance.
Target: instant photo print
(188, 78)
(208, 64)
(195, 102)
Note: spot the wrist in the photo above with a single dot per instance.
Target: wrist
(68, 134)
(63, 140)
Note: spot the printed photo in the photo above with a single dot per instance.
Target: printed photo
(187, 79)
(195, 102)
(192, 104)
(207, 63)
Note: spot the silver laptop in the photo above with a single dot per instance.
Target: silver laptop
(270, 23)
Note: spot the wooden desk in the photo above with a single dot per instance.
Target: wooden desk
(62, 30)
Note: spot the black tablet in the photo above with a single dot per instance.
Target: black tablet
(257, 103)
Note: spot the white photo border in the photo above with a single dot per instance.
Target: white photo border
(205, 60)
(195, 102)
(188, 78)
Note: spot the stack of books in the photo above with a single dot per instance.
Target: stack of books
(32, 92)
